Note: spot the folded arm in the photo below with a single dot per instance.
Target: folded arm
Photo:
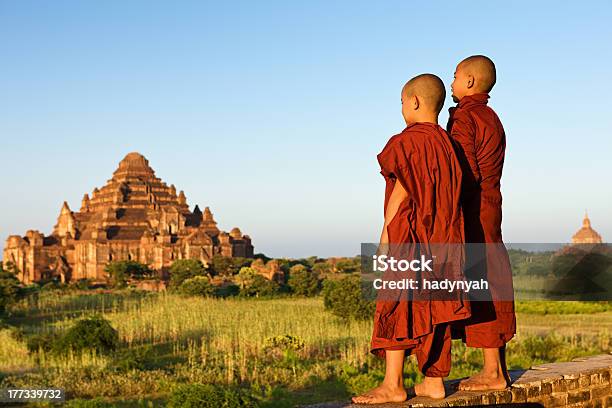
(398, 195)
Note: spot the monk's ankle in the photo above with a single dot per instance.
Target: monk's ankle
(393, 384)
(434, 381)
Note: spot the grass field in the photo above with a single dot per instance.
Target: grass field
(176, 340)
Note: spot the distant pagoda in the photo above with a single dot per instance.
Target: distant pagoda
(135, 216)
(586, 234)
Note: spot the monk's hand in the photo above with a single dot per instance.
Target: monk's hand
(382, 249)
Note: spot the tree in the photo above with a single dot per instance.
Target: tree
(120, 272)
(9, 287)
(197, 286)
(346, 298)
(349, 265)
(260, 287)
(302, 281)
(245, 276)
(228, 266)
(183, 269)
(322, 268)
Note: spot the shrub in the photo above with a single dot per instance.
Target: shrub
(302, 281)
(94, 333)
(347, 298)
(131, 359)
(183, 269)
(82, 284)
(260, 287)
(44, 342)
(209, 396)
(51, 284)
(120, 271)
(197, 286)
(227, 290)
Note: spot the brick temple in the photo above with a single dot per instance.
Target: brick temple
(135, 216)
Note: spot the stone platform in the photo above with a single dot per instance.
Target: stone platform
(583, 382)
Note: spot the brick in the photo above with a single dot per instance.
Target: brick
(559, 399)
(600, 391)
(518, 394)
(578, 396)
(546, 388)
(594, 404)
(533, 392)
(604, 377)
(549, 401)
(584, 381)
(559, 385)
(503, 397)
(571, 384)
(489, 399)
(465, 398)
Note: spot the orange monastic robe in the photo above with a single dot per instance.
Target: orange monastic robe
(423, 160)
(481, 142)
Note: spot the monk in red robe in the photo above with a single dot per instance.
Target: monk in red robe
(422, 207)
(480, 141)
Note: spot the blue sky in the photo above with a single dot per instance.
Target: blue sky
(272, 113)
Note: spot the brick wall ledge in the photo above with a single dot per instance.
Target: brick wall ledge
(583, 382)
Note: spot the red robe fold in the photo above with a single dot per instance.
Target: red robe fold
(423, 160)
(480, 142)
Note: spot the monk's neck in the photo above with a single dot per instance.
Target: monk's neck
(423, 119)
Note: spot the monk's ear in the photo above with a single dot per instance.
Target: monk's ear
(415, 102)
(470, 82)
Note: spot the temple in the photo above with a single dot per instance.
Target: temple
(135, 216)
(586, 234)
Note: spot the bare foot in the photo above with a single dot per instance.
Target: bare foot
(432, 387)
(381, 394)
(484, 382)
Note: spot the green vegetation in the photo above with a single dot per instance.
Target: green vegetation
(120, 272)
(347, 298)
(224, 335)
(197, 286)
(209, 396)
(90, 334)
(302, 281)
(258, 286)
(558, 308)
(276, 352)
(9, 287)
(224, 266)
(183, 269)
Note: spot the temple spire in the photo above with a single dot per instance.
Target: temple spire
(182, 200)
(586, 234)
(85, 203)
(586, 222)
(133, 164)
(65, 208)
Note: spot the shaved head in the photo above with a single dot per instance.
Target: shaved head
(482, 69)
(429, 90)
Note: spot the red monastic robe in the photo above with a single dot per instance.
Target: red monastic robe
(423, 160)
(481, 142)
